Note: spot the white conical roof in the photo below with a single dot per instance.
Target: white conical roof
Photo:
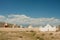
(48, 25)
(5, 24)
(30, 26)
(20, 26)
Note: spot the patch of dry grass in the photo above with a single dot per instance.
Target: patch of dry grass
(29, 35)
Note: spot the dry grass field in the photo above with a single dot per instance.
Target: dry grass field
(6, 34)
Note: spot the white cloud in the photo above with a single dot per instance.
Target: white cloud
(17, 16)
(2, 16)
(23, 19)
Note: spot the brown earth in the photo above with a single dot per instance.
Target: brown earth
(27, 34)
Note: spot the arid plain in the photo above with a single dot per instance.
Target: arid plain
(27, 34)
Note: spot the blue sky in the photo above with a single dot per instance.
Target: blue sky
(32, 8)
(34, 12)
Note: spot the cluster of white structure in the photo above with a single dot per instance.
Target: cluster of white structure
(41, 28)
(48, 28)
(45, 28)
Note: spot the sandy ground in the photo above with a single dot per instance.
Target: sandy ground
(27, 34)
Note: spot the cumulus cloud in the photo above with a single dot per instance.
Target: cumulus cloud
(2, 18)
(23, 19)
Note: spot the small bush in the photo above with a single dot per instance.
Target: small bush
(57, 30)
(20, 37)
(34, 33)
(52, 37)
(0, 31)
(51, 33)
(27, 31)
(31, 31)
(40, 38)
(43, 34)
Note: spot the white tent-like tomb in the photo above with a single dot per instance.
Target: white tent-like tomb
(48, 28)
(30, 26)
